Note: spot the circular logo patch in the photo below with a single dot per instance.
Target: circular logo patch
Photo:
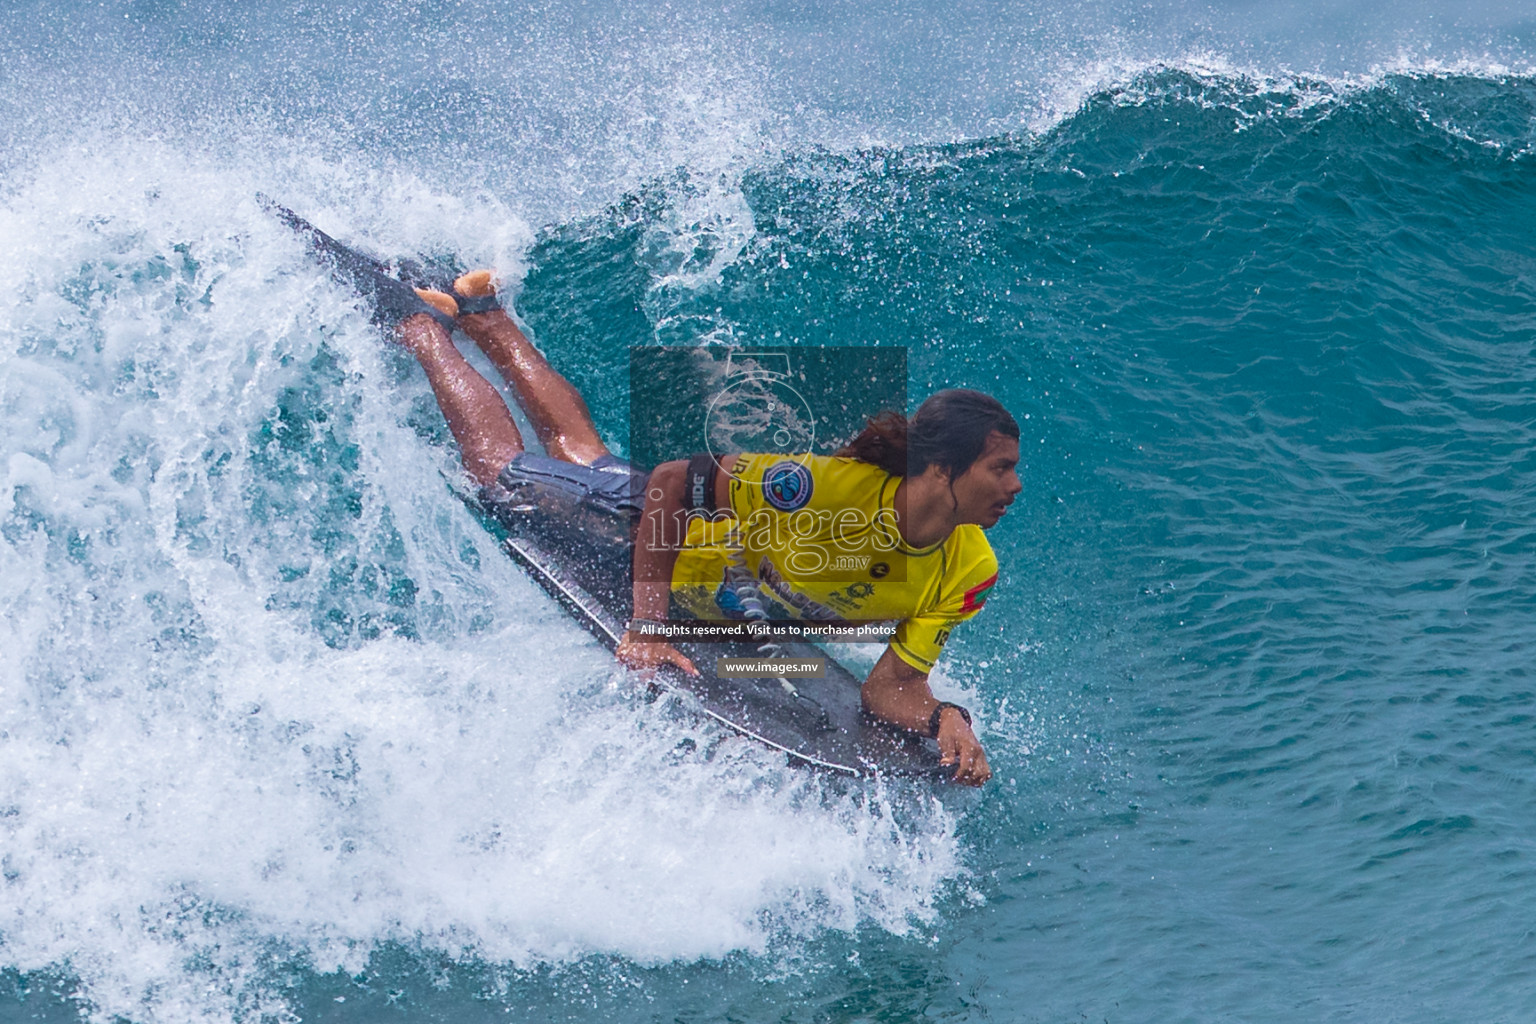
(787, 486)
(880, 570)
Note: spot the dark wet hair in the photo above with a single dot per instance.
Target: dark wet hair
(949, 430)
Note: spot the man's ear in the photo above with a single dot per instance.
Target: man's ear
(942, 473)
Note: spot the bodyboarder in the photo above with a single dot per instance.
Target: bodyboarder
(921, 491)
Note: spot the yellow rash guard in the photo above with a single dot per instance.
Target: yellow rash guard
(814, 537)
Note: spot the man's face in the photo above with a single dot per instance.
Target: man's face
(987, 488)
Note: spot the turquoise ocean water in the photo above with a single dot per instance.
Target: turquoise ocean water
(284, 737)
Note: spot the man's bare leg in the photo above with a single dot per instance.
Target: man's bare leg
(479, 419)
(559, 414)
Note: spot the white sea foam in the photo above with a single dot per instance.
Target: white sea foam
(193, 780)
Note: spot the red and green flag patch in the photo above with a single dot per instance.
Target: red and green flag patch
(977, 595)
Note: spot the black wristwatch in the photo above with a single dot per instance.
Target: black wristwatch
(933, 719)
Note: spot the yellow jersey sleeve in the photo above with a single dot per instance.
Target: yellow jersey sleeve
(967, 582)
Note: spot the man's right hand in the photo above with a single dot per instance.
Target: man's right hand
(959, 747)
(649, 655)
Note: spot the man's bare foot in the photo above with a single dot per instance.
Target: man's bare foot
(473, 285)
(440, 301)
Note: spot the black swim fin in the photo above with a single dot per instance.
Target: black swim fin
(391, 300)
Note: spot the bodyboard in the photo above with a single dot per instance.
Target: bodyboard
(581, 557)
(817, 722)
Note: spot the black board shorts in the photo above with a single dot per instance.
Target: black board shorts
(586, 516)
(610, 485)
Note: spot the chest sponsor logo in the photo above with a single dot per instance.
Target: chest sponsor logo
(880, 570)
(787, 486)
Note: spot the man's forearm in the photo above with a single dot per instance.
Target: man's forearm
(896, 692)
(655, 544)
